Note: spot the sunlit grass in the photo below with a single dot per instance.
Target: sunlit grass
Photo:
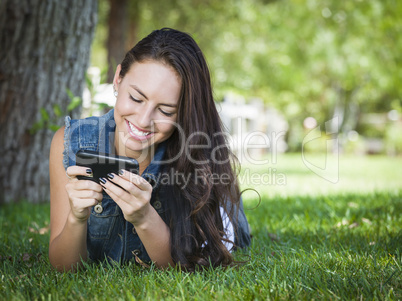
(309, 175)
(311, 240)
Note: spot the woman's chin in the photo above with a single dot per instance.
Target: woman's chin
(139, 147)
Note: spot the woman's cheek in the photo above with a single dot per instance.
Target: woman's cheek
(123, 107)
(169, 129)
(167, 125)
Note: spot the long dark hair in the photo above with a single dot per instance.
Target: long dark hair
(196, 227)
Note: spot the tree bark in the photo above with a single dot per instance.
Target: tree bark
(133, 17)
(117, 25)
(45, 49)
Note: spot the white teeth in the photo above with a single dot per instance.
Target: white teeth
(137, 132)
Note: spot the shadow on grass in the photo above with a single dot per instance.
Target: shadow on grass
(352, 222)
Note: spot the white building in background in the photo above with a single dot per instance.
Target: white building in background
(254, 129)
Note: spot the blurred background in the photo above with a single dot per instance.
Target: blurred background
(281, 68)
(289, 65)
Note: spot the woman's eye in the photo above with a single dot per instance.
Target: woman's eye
(135, 99)
(166, 113)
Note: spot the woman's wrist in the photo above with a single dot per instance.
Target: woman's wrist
(147, 220)
(74, 221)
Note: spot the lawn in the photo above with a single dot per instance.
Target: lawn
(335, 233)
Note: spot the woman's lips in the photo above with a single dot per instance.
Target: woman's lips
(138, 134)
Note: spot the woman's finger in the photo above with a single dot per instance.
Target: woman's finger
(137, 180)
(117, 191)
(90, 194)
(74, 171)
(84, 203)
(84, 194)
(125, 184)
(87, 185)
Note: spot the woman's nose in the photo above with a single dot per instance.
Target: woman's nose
(145, 117)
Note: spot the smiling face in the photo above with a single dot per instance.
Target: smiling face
(146, 108)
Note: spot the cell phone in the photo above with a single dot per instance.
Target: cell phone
(102, 164)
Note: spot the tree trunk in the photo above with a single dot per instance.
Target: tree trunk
(117, 25)
(45, 48)
(133, 17)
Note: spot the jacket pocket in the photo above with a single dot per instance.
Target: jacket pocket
(100, 225)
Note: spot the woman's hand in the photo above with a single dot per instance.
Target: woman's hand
(133, 199)
(83, 194)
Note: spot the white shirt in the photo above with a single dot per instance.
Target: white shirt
(228, 228)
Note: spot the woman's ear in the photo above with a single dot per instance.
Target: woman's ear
(117, 78)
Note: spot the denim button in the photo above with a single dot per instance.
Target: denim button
(157, 205)
(136, 252)
(98, 208)
(134, 231)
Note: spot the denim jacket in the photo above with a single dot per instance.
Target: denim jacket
(109, 235)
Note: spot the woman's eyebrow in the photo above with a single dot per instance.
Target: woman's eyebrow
(139, 91)
(168, 105)
(142, 93)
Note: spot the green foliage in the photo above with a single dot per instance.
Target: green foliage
(48, 121)
(304, 57)
(74, 103)
(342, 245)
(57, 110)
(41, 123)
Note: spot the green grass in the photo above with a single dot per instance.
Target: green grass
(312, 240)
(355, 174)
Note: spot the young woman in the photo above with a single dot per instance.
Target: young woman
(184, 207)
